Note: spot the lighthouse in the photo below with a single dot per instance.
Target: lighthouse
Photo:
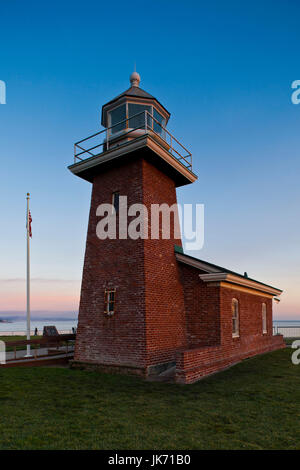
(131, 314)
(146, 307)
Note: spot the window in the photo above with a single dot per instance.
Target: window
(109, 301)
(235, 318)
(116, 201)
(128, 112)
(138, 121)
(264, 318)
(116, 115)
(156, 127)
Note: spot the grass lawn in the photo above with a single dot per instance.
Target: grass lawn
(254, 405)
(290, 341)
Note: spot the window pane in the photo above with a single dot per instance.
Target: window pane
(235, 317)
(264, 318)
(109, 301)
(138, 121)
(156, 127)
(117, 115)
(116, 201)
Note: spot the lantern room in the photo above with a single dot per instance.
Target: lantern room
(133, 122)
(132, 113)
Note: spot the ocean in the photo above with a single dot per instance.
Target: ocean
(19, 326)
(65, 326)
(286, 323)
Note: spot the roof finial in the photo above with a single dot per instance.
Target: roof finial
(135, 78)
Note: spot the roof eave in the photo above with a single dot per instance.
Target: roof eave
(214, 270)
(240, 281)
(181, 173)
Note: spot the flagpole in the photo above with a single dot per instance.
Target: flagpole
(28, 277)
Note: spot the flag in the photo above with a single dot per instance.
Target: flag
(29, 227)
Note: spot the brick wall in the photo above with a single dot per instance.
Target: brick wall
(148, 326)
(165, 316)
(194, 364)
(163, 311)
(120, 339)
(250, 316)
(215, 355)
(202, 306)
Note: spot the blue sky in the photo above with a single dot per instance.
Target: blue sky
(224, 71)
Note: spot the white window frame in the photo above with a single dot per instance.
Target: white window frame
(108, 301)
(235, 318)
(264, 319)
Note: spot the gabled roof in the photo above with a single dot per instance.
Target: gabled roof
(215, 272)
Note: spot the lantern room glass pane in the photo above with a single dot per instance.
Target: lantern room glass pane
(116, 115)
(156, 127)
(138, 121)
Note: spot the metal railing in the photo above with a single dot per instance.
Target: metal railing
(287, 331)
(44, 347)
(148, 124)
(32, 332)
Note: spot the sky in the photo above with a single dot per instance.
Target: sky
(223, 69)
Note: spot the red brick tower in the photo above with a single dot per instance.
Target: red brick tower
(131, 315)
